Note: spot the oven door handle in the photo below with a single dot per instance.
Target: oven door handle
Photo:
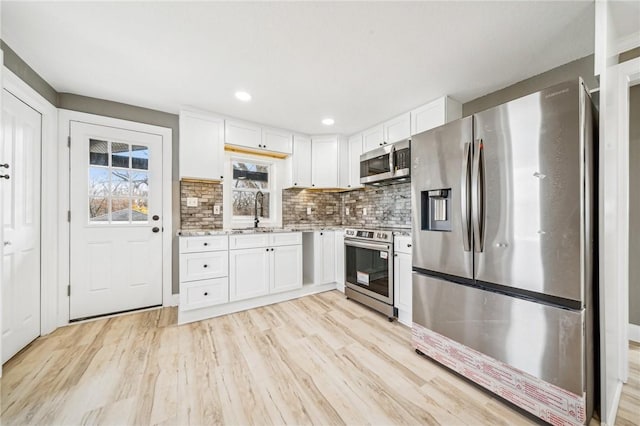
(372, 246)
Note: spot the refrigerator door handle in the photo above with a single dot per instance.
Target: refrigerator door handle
(477, 196)
(465, 201)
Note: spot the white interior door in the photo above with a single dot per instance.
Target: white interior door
(116, 223)
(20, 149)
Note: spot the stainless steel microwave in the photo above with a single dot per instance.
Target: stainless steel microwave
(386, 165)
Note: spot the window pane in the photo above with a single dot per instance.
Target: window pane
(98, 152)
(119, 155)
(140, 157)
(250, 175)
(119, 182)
(98, 209)
(120, 210)
(98, 181)
(139, 210)
(244, 204)
(140, 184)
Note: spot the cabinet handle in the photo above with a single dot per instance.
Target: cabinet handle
(221, 177)
(206, 244)
(408, 245)
(313, 184)
(348, 186)
(395, 254)
(295, 184)
(267, 250)
(321, 233)
(206, 293)
(264, 146)
(205, 266)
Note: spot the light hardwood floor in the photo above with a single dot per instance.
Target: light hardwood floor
(629, 408)
(320, 359)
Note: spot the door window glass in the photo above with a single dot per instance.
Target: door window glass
(118, 182)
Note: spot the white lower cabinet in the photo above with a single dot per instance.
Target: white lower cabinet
(272, 267)
(403, 287)
(248, 273)
(286, 268)
(319, 257)
(204, 270)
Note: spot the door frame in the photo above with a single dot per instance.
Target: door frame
(48, 196)
(64, 245)
(628, 75)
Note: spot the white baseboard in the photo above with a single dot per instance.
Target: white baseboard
(634, 332)
(174, 300)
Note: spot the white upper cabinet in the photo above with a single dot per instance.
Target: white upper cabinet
(397, 129)
(435, 114)
(373, 138)
(277, 140)
(355, 150)
(242, 133)
(201, 146)
(324, 170)
(301, 162)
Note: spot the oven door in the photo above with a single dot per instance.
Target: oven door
(377, 165)
(369, 269)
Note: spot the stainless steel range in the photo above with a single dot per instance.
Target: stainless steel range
(369, 268)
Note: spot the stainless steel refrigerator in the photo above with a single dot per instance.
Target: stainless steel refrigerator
(503, 228)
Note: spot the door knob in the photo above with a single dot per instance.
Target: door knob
(155, 229)
(7, 243)
(5, 165)
(5, 177)
(155, 217)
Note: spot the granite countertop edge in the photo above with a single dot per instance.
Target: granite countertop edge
(212, 232)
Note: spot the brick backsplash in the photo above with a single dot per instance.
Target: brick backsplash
(325, 207)
(386, 206)
(201, 217)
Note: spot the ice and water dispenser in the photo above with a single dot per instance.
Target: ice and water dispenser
(436, 210)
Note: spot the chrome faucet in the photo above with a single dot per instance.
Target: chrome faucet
(256, 221)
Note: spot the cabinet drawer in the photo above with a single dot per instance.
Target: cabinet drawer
(200, 266)
(248, 241)
(285, 239)
(205, 243)
(402, 245)
(198, 294)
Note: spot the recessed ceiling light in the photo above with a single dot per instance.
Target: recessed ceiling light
(328, 121)
(243, 96)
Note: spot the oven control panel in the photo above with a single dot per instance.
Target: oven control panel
(367, 234)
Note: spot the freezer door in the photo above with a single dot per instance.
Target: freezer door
(440, 205)
(542, 340)
(528, 194)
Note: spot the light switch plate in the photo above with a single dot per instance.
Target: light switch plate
(192, 202)
(364, 211)
(216, 209)
(308, 210)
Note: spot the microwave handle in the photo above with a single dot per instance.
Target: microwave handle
(392, 159)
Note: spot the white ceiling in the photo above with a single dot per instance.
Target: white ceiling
(358, 62)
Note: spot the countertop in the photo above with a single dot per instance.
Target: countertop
(303, 228)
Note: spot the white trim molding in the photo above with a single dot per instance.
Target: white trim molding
(65, 119)
(49, 198)
(634, 332)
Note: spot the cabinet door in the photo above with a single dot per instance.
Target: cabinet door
(373, 138)
(201, 146)
(277, 140)
(324, 154)
(328, 248)
(301, 162)
(286, 268)
(403, 286)
(355, 150)
(242, 134)
(248, 273)
(428, 116)
(398, 128)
